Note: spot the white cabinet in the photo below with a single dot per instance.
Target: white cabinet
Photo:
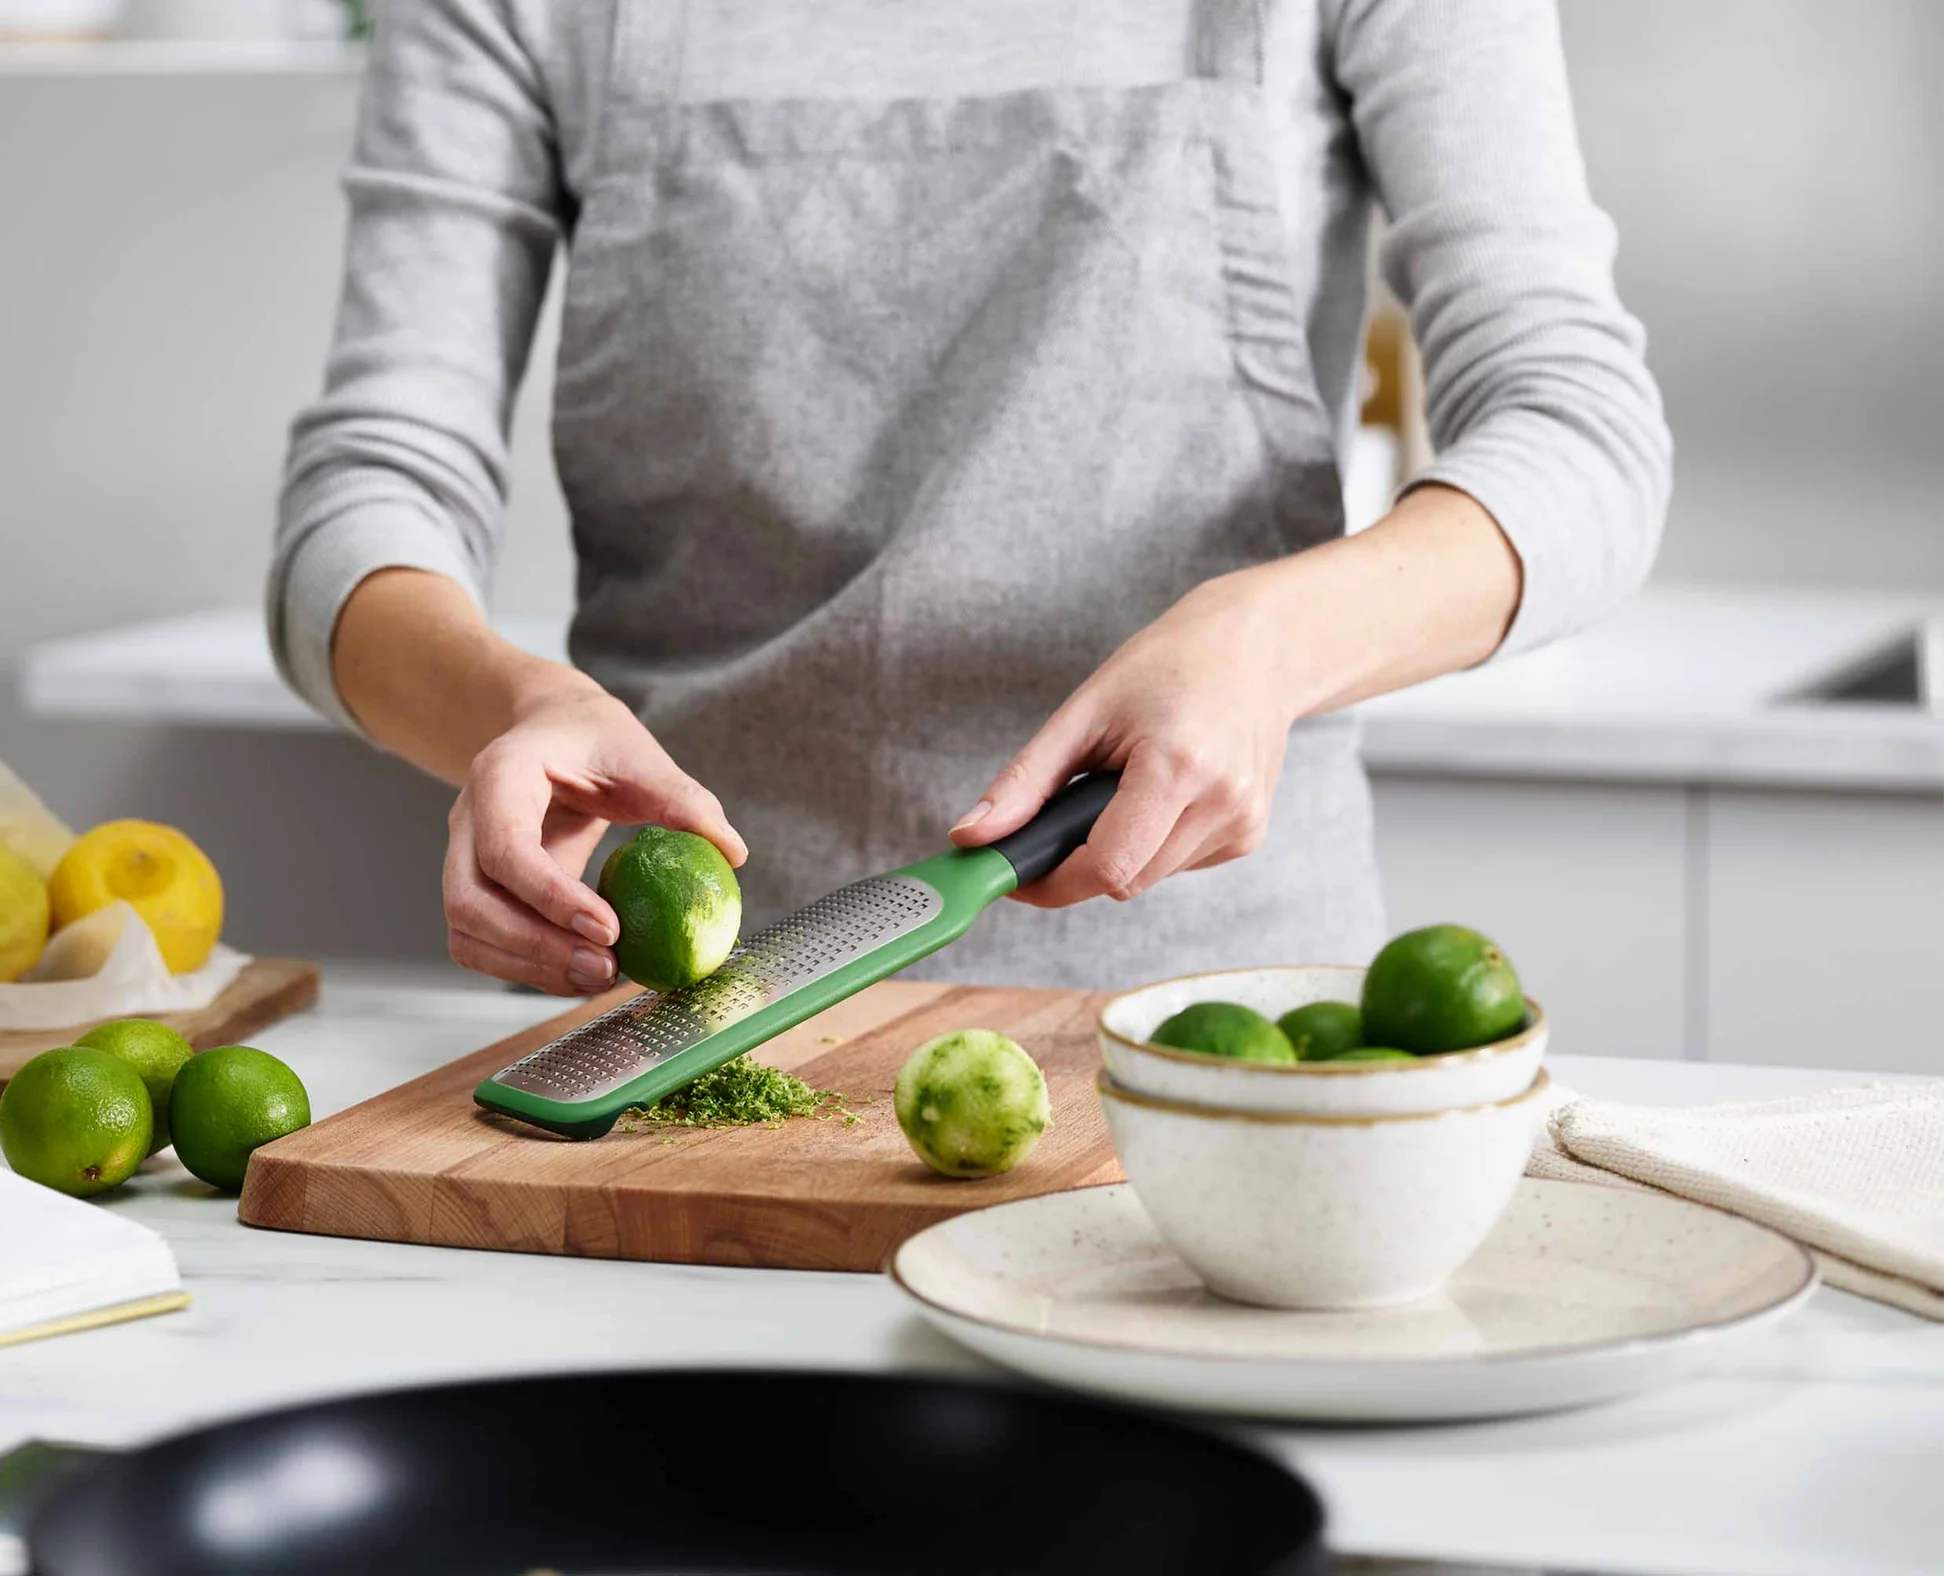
(1823, 938)
(1786, 928)
(1583, 884)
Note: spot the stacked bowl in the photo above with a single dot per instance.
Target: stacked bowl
(1316, 1184)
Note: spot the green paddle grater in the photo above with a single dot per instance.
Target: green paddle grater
(652, 1044)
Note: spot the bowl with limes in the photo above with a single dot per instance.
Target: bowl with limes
(1329, 1137)
(1287, 1209)
(1438, 1020)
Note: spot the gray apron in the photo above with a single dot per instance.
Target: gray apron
(882, 424)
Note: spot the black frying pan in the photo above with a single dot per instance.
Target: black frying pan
(692, 1472)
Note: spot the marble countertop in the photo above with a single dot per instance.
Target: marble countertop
(1814, 1451)
(1683, 684)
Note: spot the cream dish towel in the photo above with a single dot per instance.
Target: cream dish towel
(1855, 1175)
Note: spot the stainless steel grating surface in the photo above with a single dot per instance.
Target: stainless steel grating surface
(616, 1048)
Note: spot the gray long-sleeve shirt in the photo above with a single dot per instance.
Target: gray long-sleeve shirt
(480, 124)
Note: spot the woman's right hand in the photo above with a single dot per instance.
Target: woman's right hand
(534, 805)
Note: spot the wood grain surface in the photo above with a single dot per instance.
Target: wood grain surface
(422, 1163)
(267, 991)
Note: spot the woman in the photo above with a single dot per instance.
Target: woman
(946, 387)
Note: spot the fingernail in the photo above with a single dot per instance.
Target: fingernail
(593, 966)
(975, 815)
(588, 928)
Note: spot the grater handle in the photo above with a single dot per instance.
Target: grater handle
(1060, 828)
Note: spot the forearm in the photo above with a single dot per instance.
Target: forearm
(1195, 709)
(427, 678)
(1536, 391)
(1430, 588)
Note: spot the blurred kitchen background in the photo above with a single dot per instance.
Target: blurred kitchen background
(1689, 849)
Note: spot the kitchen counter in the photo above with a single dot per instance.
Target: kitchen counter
(1813, 1451)
(1685, 684)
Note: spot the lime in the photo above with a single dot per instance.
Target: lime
(155, 1051)
(76, 1119)
(972, 1102)
(1371, 1053)
(1223, 1028)
(679, 906)
(229, 1101)
(1443, 988)
(24, 915)
(1323, 1030)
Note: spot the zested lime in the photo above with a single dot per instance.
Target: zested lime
(972, 1103)
(1443, 988)
(1225, 1028)
(679, 905)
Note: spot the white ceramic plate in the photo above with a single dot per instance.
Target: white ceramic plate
(1580, 1294)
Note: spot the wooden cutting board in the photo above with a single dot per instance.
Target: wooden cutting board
(267, 991)
(422, 1163)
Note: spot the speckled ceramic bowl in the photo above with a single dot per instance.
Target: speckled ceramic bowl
(1298, 1211)
(1430, 1083)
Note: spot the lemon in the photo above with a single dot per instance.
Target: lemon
(24, 915)
(160, 874)
(679, 905)
(1225, 1028)
(75, 1119)
(155, 1051)
(228, 1102)
(1323, 1030)
(972, 1103)
(1443, 988)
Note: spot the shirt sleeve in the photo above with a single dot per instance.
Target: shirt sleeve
(456, 208)
(1537, 392)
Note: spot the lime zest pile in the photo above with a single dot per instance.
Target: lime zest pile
(740, 1093)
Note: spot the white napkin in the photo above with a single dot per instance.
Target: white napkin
(28, 827)
(1855, 1175)
(108, 966)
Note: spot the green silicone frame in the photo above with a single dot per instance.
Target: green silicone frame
(968, 879)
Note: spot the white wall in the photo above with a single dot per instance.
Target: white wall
(168, 264)
(1773, 166)
(168, 250)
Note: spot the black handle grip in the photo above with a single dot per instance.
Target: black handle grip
(1062, 825)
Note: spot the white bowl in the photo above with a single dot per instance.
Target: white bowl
(1430, 1083)
(1299, 1211)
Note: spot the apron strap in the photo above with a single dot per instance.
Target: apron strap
(1228, 40)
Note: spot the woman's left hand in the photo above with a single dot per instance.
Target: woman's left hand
(1194, 712)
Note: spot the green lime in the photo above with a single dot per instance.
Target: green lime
(76, 1119)
(229, 1101)
(1223, 1028)
(972, 1102)
(155, 1051)
(679, 906)
(1371, 1053)
(1323, 1030)
(1443, 988)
